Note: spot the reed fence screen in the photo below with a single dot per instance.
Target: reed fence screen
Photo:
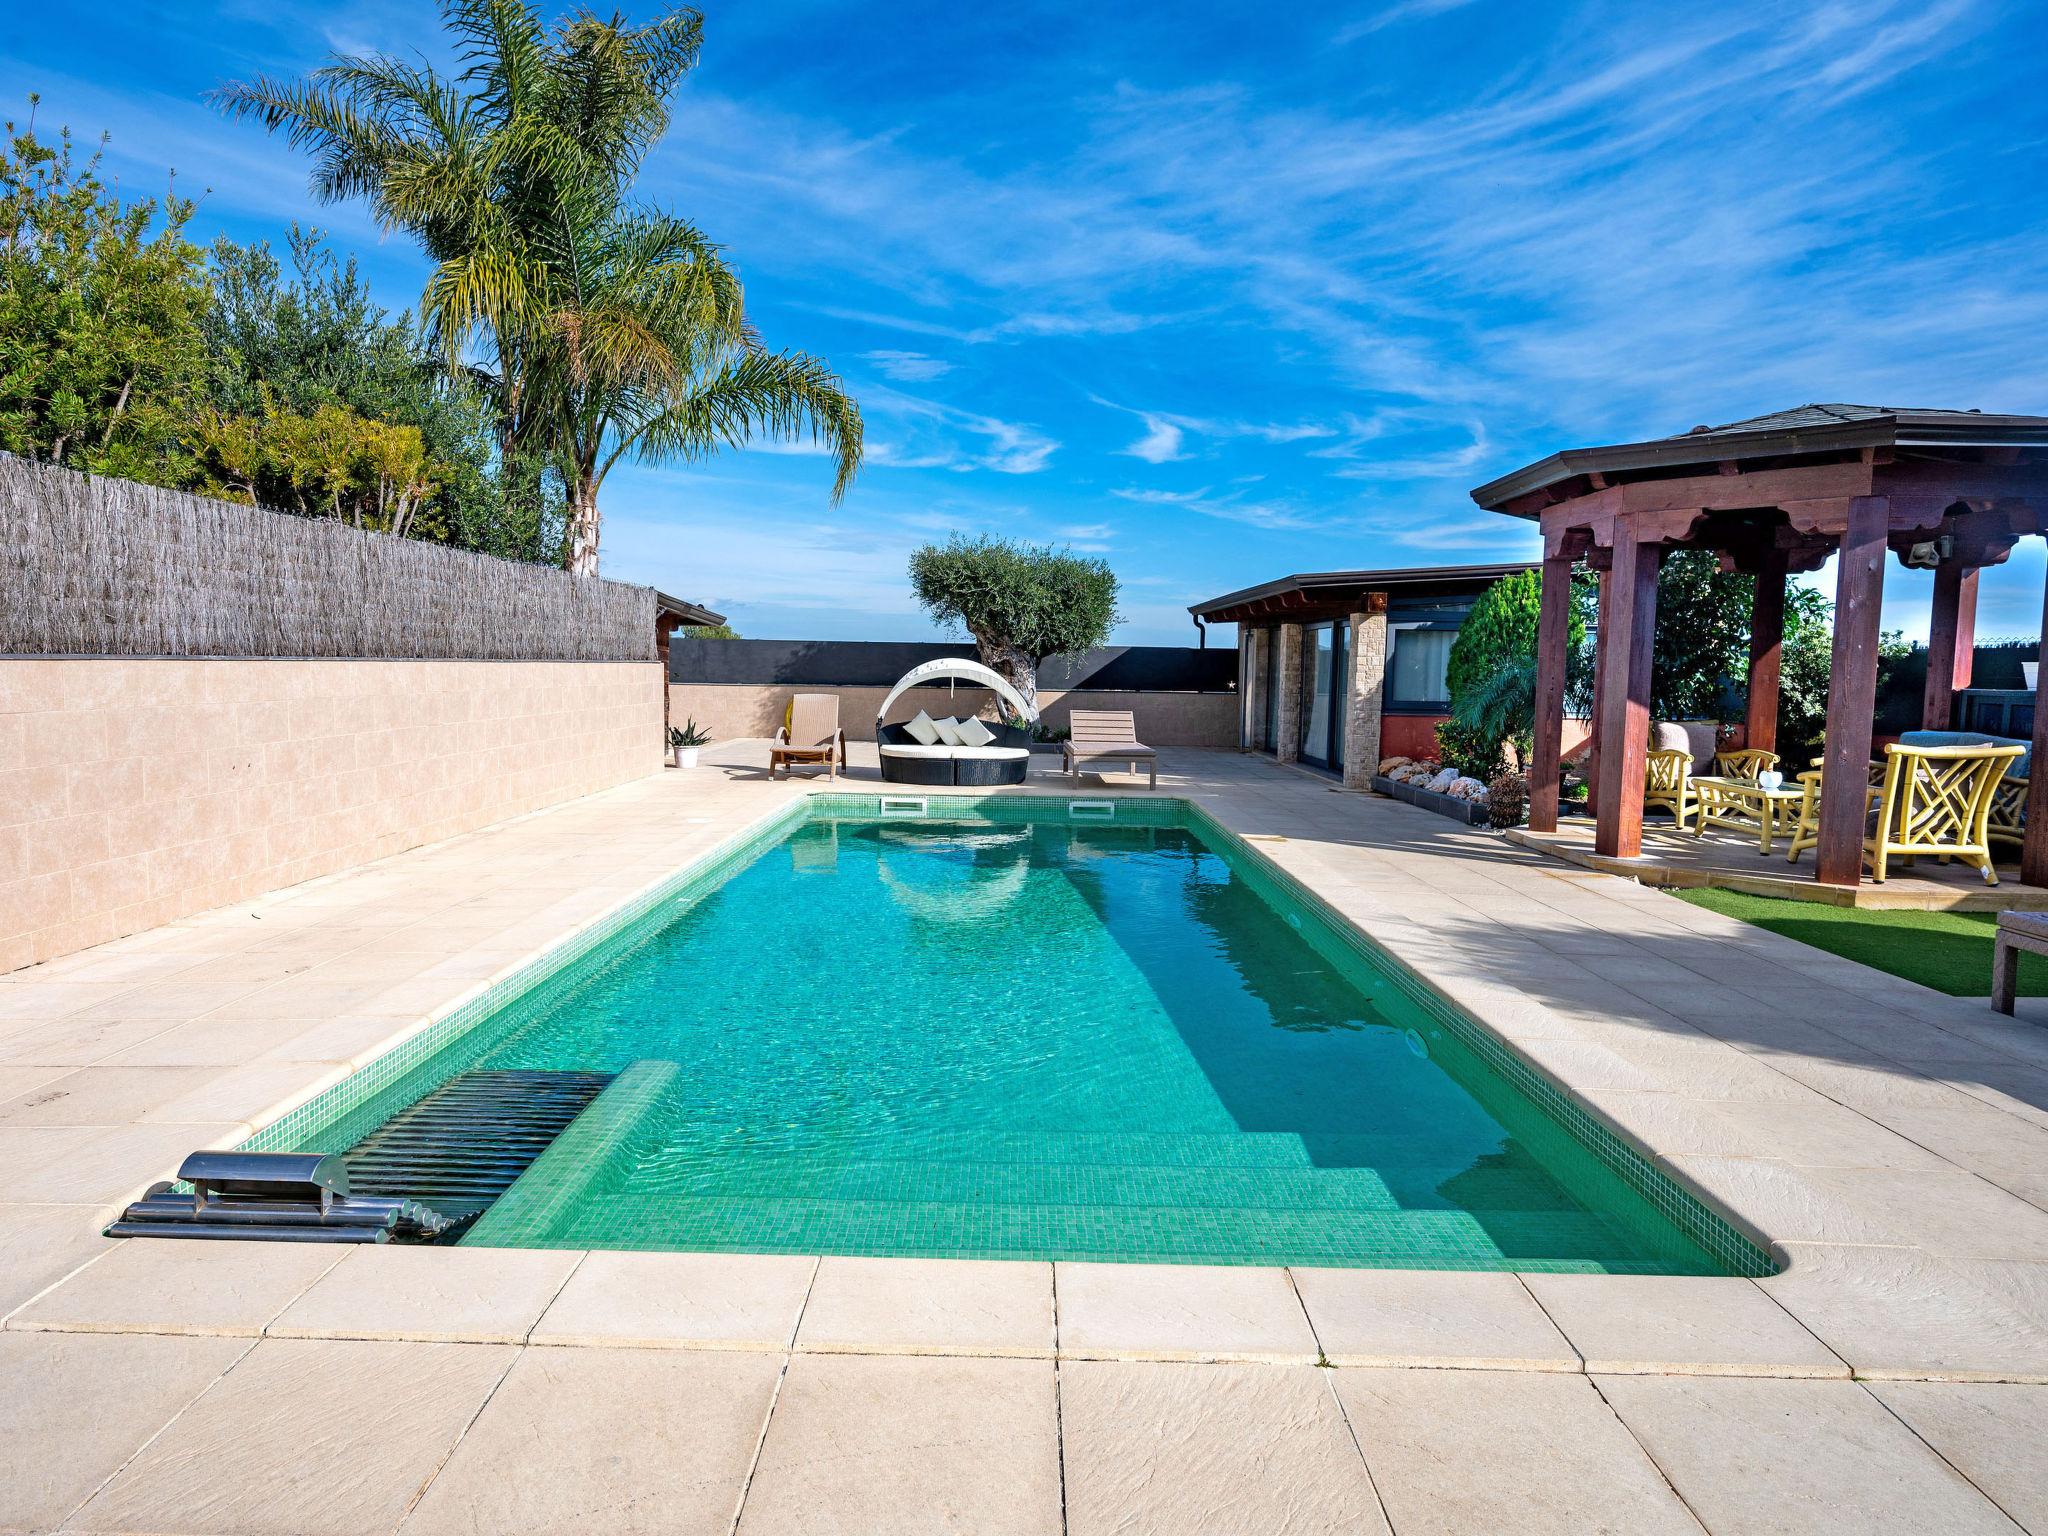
(99, 567)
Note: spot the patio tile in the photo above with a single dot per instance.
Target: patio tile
(438, 1295)
(862, 1443)
(1389, 1317)
(929, 1306)
(16, 1081)
(323, 1438)
(76, 1408)
(1996, 1436)
(1892, 1312)
(1795, 1456)
(41, 1244)
(104, 1095)
(1221, 1449)
(98, 1165)
(693, 1300)
(181, 1286)
(1474, 1453)
(1677, 1324)
(1181, 1312)
(636, 1441)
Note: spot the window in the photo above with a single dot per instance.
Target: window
(1416, 670)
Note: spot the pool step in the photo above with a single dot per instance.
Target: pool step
(1131, 1234)
(1356, 1189)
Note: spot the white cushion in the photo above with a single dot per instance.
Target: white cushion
(974, 734)
(949, 731)
(896, 749)
(924, 729)
(992, 752)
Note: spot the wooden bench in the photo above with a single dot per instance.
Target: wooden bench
(2016, 931)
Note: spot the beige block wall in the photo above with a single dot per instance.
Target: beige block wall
(137, 791)
(730, 711)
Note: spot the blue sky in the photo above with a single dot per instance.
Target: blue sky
(1220, 293)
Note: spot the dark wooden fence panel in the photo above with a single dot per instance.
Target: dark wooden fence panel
(92, 566)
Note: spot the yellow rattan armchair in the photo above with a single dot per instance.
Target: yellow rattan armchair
(1744, 765)
(2007, 823)
(1667, 781)
(1934, 800)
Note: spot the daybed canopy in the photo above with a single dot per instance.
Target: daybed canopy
(958, 667)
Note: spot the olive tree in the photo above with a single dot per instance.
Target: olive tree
(1021, 602)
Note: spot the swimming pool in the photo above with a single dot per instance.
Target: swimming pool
(1015, 1028)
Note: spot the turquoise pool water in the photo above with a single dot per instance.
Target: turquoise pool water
(1025, 1035)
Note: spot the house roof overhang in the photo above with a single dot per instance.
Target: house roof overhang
(1317, 593)
(673, 612)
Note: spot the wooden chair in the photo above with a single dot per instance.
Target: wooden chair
(1744, 765)
(1934, 800)
(1107, 734)
(2016, 931)
(1667, 781)
(811, 735)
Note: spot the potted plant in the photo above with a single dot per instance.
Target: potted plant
(683, 742)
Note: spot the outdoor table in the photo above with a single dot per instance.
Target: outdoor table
(1741, 803)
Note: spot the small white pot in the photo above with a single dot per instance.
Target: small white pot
(685, 757)
(2030, 670)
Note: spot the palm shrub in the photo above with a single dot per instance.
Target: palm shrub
(603, 327)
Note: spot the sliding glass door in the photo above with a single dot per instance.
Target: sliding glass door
(1324, 676)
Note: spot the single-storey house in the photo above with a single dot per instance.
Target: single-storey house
(1339, 669)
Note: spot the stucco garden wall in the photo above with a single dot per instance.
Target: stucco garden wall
(134, 791)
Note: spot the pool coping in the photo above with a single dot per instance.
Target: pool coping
(1896, 1308)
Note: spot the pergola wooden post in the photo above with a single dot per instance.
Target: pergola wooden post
(1852, 693)
(1602, 562)
(1553, 643)
(1626, 652)
(1766, 653)
(2034, 847)
(1774, 496)
(1951, 642)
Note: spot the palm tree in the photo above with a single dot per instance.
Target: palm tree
(603, 327)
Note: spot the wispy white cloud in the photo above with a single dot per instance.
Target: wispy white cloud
(1229, 507)
(1161, 442)
(1393, 15)
(909, 367)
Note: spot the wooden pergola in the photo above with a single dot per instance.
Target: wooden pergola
(1774, 496)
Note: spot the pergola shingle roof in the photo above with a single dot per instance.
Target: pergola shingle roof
(1788, 434)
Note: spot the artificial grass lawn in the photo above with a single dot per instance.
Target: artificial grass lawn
(1948, 951)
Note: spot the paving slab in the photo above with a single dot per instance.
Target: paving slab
(1796, 1457)
(41, 1244)
(909, 1444)
(1679, 1324)
(1413, 1317)
(619, 1441)
(929, 1306)
(680, 1300)
(99, 1165)
(1182, 1312)
(102, 1095)
(76, 1407)
(316, 1437)
(1996, 1436)
(437, 1295)
(1478, 1453)
(176, 1285)
(1210, 1450)
(1898, 1312)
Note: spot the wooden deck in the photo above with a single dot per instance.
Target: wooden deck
(1731, 861)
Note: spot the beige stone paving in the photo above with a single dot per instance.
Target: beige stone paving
(1889, 1143)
